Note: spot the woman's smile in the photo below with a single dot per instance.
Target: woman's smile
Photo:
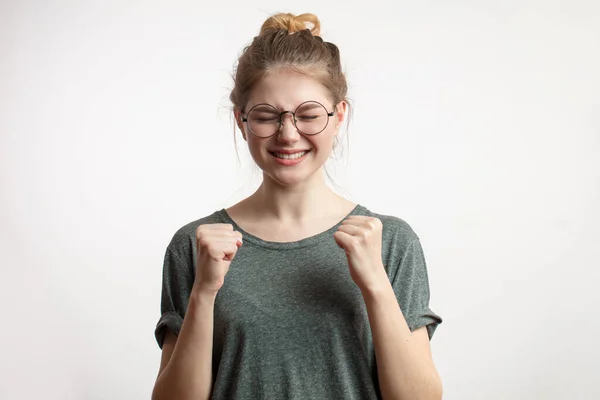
(290, 159)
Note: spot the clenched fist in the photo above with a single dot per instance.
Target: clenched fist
(217, 245)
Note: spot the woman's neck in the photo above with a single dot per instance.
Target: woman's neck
(305, 201)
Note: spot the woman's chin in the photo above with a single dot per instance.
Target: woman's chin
(288, 177)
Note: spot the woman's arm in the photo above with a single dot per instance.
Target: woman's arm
(187, 372)
(404, 362)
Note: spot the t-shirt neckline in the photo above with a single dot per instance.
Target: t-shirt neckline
(308, 241)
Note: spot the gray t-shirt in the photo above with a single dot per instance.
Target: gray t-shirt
(289, 321)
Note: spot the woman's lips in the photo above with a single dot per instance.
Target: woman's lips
(290, 161)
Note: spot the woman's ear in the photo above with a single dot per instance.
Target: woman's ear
(238, 120)
(340, 111)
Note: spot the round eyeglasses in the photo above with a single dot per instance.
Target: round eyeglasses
(310, 118)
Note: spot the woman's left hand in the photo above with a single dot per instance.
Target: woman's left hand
(360, 237)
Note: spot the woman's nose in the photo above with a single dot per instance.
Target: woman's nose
(288, 128)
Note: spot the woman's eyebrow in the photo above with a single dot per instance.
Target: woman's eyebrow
(264, 107)
(310, 106)
(272, 108)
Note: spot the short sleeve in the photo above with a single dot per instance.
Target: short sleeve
(177, 281)
(411, 286)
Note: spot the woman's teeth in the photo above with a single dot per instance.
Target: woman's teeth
(290, 156)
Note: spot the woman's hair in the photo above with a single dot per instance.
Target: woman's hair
(286, 42)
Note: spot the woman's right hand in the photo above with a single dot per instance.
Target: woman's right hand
(217, 245)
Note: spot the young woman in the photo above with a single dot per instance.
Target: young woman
(295, 292)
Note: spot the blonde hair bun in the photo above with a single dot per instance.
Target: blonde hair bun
(292, 23)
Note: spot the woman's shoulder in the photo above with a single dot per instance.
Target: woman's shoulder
(393, 226)
(185, 235)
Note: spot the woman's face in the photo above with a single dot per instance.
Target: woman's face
(286, 90)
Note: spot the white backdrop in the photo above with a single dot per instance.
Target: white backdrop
(477, 122)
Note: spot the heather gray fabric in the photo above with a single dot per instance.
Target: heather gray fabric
(289, 321)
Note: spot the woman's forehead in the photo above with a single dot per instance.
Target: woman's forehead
(287, 90)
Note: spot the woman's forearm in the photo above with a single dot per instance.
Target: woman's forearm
(188, 374)
(404, 372)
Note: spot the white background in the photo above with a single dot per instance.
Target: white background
(477, 122)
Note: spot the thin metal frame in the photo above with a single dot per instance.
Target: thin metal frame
(280, 122)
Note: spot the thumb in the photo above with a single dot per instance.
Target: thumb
(337, 236)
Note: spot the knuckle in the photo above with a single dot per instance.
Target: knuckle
(200, 229)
